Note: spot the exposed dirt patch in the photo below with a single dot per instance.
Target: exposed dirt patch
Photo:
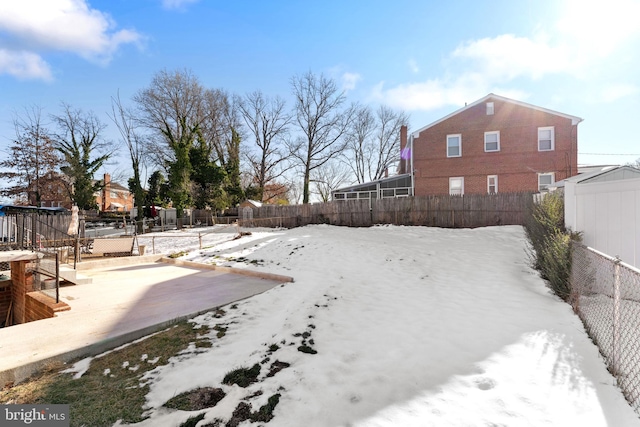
(200, 398)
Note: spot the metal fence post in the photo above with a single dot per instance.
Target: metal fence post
(57, 277)
(616, 314)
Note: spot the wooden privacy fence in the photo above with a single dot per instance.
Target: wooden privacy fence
(434, 211)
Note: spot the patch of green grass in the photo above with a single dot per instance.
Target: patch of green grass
(222, 331)
(265, 413)
(178, 254)
(243, 377)
(192, 421)
(203, 343)
(97, 399)
(273, 348)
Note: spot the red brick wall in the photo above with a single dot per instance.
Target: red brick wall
(22, 280)
(40, 306)
(518, 162)
(36, 307)
(5, 299)
(27, 305)
(104, 199)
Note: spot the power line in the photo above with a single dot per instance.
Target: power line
(609, 154)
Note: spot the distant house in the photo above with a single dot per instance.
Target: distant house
(54, 189)
(250, 204)
(114, 197)
(389, 187)
(492, 145)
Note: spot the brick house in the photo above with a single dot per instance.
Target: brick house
(494, 144)
(114, 197)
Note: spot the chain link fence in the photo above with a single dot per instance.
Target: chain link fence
(187, 240)
(606, 296)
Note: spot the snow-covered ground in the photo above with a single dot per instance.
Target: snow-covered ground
(413, 326)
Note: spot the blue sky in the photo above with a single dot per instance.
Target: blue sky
(426, 58)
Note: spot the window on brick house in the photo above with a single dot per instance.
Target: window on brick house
(492, 184)
(545, 180)
(490, 109)
(456, 185)
(454, 145)
(546, 139)
(492, 141)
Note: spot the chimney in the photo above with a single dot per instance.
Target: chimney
(403, 144)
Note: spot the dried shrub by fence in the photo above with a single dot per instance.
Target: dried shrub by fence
(476, 210)
(550, 242)
(606, 296)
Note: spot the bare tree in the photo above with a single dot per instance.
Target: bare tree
(358, 151)
(323, 121)
(124, 119)
(84, 151)
(374, 142)
(329, 177)
(217, 123)
(33, 160)
(268, 122)
(387, 140)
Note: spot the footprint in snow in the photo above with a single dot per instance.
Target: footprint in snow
(485, 383)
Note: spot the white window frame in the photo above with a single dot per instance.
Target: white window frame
(495, 180)
(545, 187)
(490, 108)
(494, 132)
(459, 136)
(553, 142)
(452, 179)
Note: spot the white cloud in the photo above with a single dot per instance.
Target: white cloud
(488, 64)
(507, 57)
(349, 80)
(437, 93)
(177, 4)
(585, 42)
(63, 25)
(24, 65)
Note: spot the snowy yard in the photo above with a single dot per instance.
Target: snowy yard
(413, 326)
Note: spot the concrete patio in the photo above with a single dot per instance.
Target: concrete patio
(123, 303)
